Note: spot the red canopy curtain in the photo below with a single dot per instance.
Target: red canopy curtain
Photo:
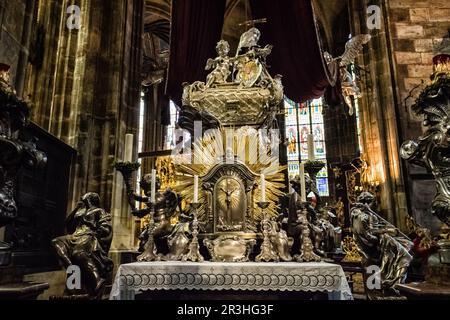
(195, 30)
(297, 56)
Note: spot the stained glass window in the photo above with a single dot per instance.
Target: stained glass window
(301, 120)
(175, 137)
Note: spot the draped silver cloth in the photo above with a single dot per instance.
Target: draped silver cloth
(286, 276)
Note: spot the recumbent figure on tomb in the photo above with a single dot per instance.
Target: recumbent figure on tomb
(379, 242)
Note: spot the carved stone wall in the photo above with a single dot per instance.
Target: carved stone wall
(380, 113)
(84, 85)
(16, 19)
(398, 58)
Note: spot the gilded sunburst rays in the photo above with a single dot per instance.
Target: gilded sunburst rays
(249, 147)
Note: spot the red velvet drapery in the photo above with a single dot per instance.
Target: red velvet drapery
(195, 30)
(291, 29)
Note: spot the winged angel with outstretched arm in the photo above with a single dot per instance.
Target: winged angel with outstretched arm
(349, 87)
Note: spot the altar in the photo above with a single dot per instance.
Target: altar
(135, 278)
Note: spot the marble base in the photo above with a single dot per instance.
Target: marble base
(135, 278)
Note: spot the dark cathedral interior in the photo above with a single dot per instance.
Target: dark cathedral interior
(230, 150)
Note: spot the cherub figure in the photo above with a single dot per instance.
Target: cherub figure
(221, 65)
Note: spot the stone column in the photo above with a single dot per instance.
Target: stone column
(380, 113)
(16, 19)
(86, 91)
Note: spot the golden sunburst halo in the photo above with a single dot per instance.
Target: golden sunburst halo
(211, 151)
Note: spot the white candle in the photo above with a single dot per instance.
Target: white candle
(311, 148)
(303, 183)
(128, 155)
(153, 189)
(263, 188)
(196, 189)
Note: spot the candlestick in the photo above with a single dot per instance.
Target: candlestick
(128, 155)
(194, 247)
(303, 183)
(149, 253)
(195, 189)
(263, 188)
(311, 148)
(153, 188)
(268, 252)
(306, 246)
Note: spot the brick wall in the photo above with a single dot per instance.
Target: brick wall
(417, 26)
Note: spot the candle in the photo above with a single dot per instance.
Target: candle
(263, 188)
(153, 190)
(195, 189)
(128, 156)
(303, 183)
(311, 148)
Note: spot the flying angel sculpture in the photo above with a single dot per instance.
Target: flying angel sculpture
(349, 87)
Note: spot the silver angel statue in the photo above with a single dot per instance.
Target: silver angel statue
(380, 243)
(350, 88)
(432, 149)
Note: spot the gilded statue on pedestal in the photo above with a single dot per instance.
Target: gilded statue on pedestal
(87, 244)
